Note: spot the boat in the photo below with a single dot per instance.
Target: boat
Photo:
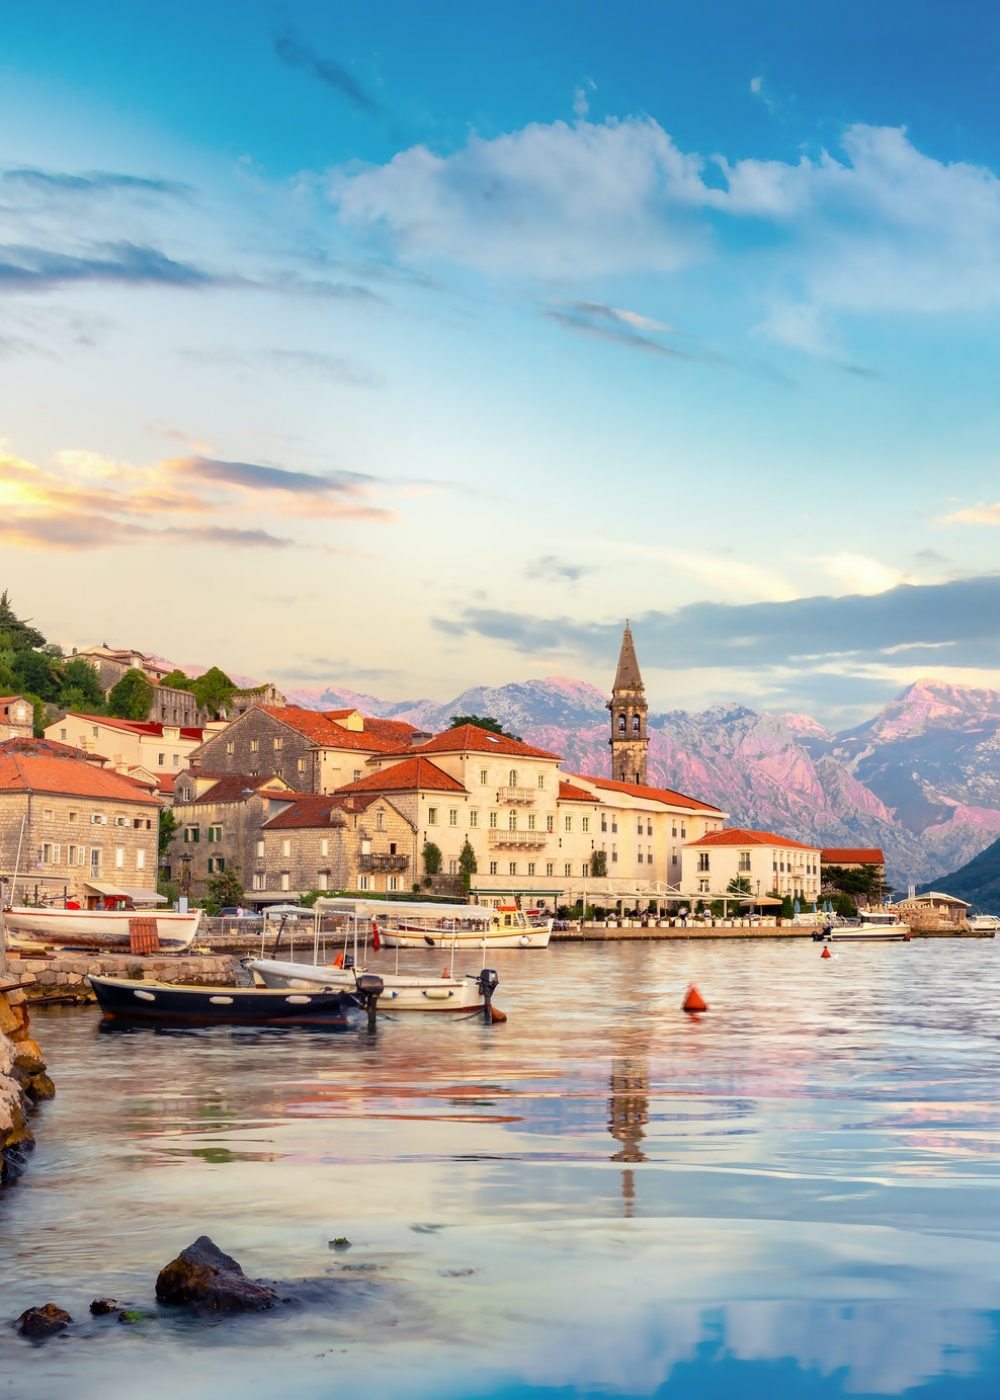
(101, 928)
(421, 924)
(984, 923)
(403, 991)
(162, 1003)
(874, 926)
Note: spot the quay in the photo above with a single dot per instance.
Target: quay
(62, 976)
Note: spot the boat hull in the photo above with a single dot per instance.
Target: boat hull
(448, 938)
(98, 928)
(868, 933)
(161, 1003)
(402, 992)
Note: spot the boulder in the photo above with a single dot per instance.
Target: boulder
(28, 1057)
(38, 1323)
(101, 1307)
(205, 1280)
(39, 1086)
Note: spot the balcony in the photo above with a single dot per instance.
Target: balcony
(513, 795)
(511, 840)
(370, 865)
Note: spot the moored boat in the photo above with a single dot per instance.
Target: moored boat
(122, 999)
(100, 928)
(402, 991)
(872, 928)
(984, 923)
(421, 924)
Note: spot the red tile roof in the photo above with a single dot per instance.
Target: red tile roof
(317, 809)
(230, 787)
(378, 735)
(470, 738)
(744, 836)
(852, 855)
(142, 728)
(51, 747)
(69, 777)
(569, 793)
(654, 794)
(412, 775)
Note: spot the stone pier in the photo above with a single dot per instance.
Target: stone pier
(23, 1079)
(62, 975)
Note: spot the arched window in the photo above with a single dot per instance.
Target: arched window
(512, 777)
(636, 725)
(621, 724)
(512, 822)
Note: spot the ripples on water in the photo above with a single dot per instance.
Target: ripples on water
(796, 1194)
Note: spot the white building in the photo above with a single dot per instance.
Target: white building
(769, 864)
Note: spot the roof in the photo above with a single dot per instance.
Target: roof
(852, 855)
(49, 746)
(230, 787)
(377, 736)
(142, 728)
(653, 794)
(317, 809)
(412, 775)
(569, 793)
(69, 777)
(470, 738)
(938, 896)
(744, 836)
(627, 676)
(9, 699)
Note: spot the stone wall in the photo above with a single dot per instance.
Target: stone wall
(23, 1080)
(64, 975)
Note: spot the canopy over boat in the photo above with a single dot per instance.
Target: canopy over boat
(404, 909)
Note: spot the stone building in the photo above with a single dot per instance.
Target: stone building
(308, 749)
(770, 864)
(360, 842)
(934, 912)
(168, 705)
(70, 825)
(17, 717)
(131, 746)
(219, 817)
(629, 740)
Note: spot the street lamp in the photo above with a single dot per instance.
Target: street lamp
(184, 884)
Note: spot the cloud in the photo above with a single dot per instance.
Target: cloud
(955, 618)
(40, 269)
(82, 531)
(609, 323)
(294, 52)
(981, 514)
(93, 182)
(314, 491)
(858, 573)
(557, 570)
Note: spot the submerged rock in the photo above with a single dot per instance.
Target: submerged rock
(204, 1279)
(100, 1307)
(38, 1323)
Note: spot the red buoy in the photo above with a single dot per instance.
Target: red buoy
(693, 1000)
(825, 953)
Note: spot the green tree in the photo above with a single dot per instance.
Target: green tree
(223, 891)
(467, 865)
(177, 678)
(19, 631)
(599, 864)
(132, 697)
(213, 691)
(432, 858)
(37, 673)
(168, 825)
(80, 687)
(482, 722)
(739, 884)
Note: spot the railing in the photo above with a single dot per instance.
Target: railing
(507, 839)
(370, 864)
(515, 794)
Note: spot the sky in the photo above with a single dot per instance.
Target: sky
(407, 348)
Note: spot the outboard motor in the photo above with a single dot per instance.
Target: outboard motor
(348, 962)
(370, 987)
(488, 981)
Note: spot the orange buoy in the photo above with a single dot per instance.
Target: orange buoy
(497, 1016)
(693, 1000)
(825, 953)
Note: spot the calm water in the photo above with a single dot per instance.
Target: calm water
(797, 1194)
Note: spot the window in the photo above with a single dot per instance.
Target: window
(260, 848)
(512, 778)
(70, 855)
(614, 824)
(703, 887)
(300, 765)
(140, 860)
(95, 731)
(604, 823)
(47, 813)
(585, 823)
(230, 746)
(119, 857)
(483, 776)
(285, 883)
(192, 834)
(621, 724)
(45, 854)
(254, 745)
(614, 856)
(493, 819)
(541, 780)
(744, 860)
(216, 864)
(279, 743)
(512, 821)
(636, 725)
(649, 828)
(550, 823)
(640, 827)
(512, 868)
(567, 869)
(531, 821)
(161, 759)
(432, 816)
(379, 821)
(493, 867)
(63, 735)
(531, 867)
(286, 847)
(72, 816)
(95, 860)
(684, 831)
(357, 776)
(324, 846)
(177, 760)
(585, 869)
(702, 860)
(322, 879)
(393, 882)
(453, 867)
(215, 833)
(550, 868)
(473, 818)
(258, 880)
(453, 816)
(567, 823)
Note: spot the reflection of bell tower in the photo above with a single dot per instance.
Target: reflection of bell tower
(628, 1114)
(629, 740)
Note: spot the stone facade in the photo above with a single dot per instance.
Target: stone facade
(258, 744)
(337, 844)
(629, 739)
(177, 707)
(17, 717)
(219, 819)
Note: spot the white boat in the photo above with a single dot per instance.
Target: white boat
(874, 926)
(419, 924)
(402, 991)
(984, 923)
(98, 928)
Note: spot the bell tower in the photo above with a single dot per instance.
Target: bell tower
(629, 740)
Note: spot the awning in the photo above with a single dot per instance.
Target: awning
(146, 897)
(112, 890)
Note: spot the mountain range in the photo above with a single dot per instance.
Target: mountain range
(921, 779)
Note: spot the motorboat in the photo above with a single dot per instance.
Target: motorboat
(422, 924)
(122, 999)
(984, 923)
(403, 991)
(101, 928)
(873, 926)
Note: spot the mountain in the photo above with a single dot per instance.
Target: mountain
(921, 778)
(978, 882)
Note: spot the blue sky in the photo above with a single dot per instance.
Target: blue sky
(413, 347)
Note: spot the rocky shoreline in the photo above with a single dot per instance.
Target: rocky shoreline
(24, 1082)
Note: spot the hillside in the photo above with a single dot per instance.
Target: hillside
(978, 881)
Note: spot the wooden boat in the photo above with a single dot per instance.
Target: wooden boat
(99, 928)
(167, 1003)
(403, 991)
(420, 924)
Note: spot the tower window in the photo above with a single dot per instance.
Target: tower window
(621, 724)
(636, 724)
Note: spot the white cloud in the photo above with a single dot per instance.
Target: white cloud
(858, 573)
(981, 514)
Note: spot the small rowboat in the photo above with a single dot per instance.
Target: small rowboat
(166, 1003)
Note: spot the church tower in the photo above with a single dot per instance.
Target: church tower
(629, 740)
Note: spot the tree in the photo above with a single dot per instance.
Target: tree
(19, 631)
(467, 865)
(80, 687)
(213, 691)
(432, 859)
(599, 864)
(37, 673)
(168, 825)
(482, 722)
(132, 697)
(223, 891)
(178, 679)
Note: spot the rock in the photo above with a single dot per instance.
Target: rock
(10, 1021)
(204, 1279)
(39, 1086)
(28, 1057)
(341, 1242)
(100, 1307)
(130, 1315)
(43, 1322)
